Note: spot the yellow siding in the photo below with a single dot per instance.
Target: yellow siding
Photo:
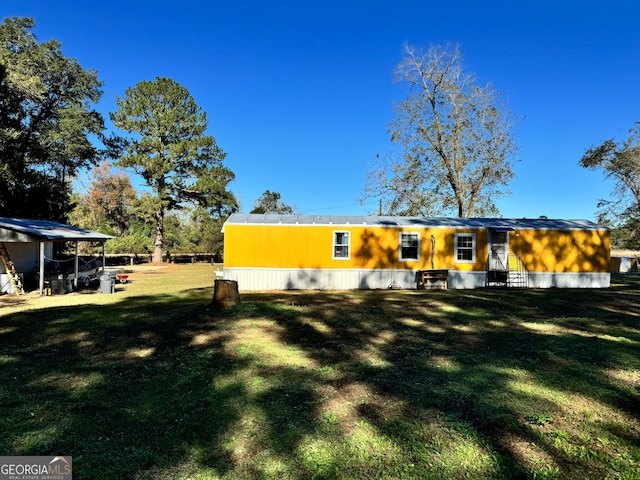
(290, 246)
(562, 250)
(287, 246)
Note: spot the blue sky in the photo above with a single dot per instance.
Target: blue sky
(299, 94)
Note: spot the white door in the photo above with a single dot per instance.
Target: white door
(498, 250)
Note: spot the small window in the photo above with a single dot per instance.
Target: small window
(465, 247)
(341, 245)
(409, 247)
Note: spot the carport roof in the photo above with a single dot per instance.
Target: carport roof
(24, 230)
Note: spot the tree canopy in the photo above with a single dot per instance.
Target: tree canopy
(456, 140)
(269, 202)
(48, 126)
(169, 149)
(620, 163)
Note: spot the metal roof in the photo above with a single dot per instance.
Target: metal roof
(21, 230)
(415, 222)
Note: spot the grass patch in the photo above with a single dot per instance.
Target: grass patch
(152, 383)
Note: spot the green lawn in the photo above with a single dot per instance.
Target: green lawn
(152, 383)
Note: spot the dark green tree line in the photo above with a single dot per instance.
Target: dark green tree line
(50, 131)
(48, 125)
(112, 206)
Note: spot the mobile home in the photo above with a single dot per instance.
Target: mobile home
(275, 252)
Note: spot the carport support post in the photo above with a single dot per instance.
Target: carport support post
(75, 278)
(41, 280)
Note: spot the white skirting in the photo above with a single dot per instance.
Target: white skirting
(350, 279)
(463, 280)
(569, 280)
(319, 279)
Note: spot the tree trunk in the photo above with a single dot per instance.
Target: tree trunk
(157, 252)
(225, 293)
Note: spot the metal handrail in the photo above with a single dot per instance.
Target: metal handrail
(520, 270)
(514, 274)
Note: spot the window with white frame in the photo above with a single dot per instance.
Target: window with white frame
(409, 246)
(341, 245)
(465, 247)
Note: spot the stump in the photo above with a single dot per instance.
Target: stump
(225, 293)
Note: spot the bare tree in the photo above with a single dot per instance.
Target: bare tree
(456, 141)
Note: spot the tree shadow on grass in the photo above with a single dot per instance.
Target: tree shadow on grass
(478, 357)
(284, 384)
(122, 388)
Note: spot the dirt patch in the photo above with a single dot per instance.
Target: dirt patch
(10, 299)
(144, 268)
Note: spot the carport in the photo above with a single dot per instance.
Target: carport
(28, 241)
